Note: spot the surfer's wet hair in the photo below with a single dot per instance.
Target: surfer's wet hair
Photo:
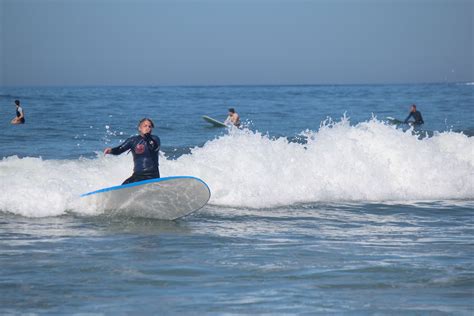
(17, 102)
(232, 110)
(146, 119)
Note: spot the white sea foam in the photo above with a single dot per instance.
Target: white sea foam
(370, 161)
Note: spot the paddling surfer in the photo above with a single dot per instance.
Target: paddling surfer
(144, 148)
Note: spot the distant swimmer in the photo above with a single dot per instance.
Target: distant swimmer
(233, 118)
(20, 114)
(418, 119)
(144, 148)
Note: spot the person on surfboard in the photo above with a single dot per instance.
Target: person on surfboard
(233, 118)
(418, 119)
(144, 148)
(20, 114)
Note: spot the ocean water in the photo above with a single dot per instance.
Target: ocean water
(319, 205)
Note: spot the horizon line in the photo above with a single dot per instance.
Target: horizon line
(230, 85)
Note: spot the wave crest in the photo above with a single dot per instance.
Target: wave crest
(370, 161)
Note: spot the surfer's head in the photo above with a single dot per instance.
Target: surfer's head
(232, 110)
(145, 126)
(17, 102)
(413, 107)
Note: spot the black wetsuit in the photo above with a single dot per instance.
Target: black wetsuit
(417, 116)
(18, 114)
(145, 156)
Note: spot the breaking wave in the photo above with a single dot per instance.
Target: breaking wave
(370, 161)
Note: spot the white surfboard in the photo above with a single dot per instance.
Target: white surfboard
(214, 122)
(394, 121)
(165, 198)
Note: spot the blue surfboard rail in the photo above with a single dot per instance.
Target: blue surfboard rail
(134, 184)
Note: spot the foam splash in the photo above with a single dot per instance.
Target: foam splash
(367, 162)
(370, 161)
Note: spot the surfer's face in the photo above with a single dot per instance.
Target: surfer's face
(145, 128)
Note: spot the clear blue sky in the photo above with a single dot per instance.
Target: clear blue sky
(201, 42)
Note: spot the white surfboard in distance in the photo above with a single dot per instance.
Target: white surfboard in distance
(165, 198)
(214, 122)
(394, 121)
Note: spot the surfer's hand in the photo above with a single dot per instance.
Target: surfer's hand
(107, 150)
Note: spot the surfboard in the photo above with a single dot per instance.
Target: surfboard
(167, 198)
(214, 122)
(394, 121)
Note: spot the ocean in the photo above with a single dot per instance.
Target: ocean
(319, 205)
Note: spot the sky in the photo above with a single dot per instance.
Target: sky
(235, 42)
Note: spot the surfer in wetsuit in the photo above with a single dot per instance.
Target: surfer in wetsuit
(233, 118)
(416, 116)
(144, 148)
(20, 114)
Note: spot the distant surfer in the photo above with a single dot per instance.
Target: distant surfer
(20, 114)
(418, 119)
(144, 148)
(233, 118)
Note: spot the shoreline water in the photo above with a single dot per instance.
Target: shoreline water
(312, 259)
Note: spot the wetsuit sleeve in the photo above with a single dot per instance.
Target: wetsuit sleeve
(421, 119)
(153, 143)
(158, 143)
(408, 117)
(124, 147)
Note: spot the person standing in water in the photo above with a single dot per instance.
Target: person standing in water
(144, 148)
(233, 118)
(20, 114)
(418, 119)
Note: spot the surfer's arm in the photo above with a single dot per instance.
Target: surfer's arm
(156, 143)
(152, 142)
(421, 119)
(119, 149)
(408, 117)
